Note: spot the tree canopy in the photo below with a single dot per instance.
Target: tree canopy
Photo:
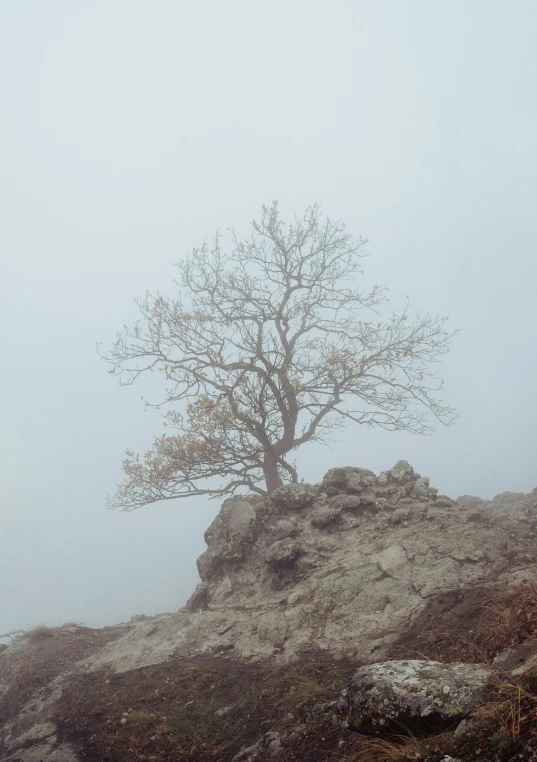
(270, 344)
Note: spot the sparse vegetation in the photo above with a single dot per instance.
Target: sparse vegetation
(407, 748)
(308, 689)
(508, 617)
(40, 632)
(492, 622)
(171, 712)
(511, 708)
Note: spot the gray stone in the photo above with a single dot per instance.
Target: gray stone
(324, 516)
(352, 503)
(139, 618)
(199, 598)
(232, 531)
(470, 501)
(400, 514)
(349, 592)
(421, 487)
(283, 553)
(270, 745)
(402, 472)
(331, 491)
(38, 732)
(349, 479)
(392, 694)
(467, 556)
(281, 531)
(241, 523)
(208, 562)
(37, 753)
(293, 497)
(236, 521)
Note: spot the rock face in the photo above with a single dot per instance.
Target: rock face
(411, 694)
(342, 568)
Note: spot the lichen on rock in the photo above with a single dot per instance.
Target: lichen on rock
(395, 694)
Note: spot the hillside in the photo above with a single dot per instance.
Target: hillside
(298, 591)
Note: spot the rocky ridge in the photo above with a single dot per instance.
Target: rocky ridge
(334, 571)
(342, 568)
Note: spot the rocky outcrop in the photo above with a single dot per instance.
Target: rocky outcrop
(342, 568)
(411, 694)
(338, 571)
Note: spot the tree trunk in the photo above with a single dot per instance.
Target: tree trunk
(270, 469)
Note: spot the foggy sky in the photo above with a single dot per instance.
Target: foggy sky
(130, 130)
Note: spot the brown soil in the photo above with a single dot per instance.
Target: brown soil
(169, 711)
(472, 625)
(50, 652)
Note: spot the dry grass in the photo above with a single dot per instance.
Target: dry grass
(40, 632)
(511, 709)
(190, 671)
(144, 736)
(141, 722)
(503, 619)
(509, 617)
(305, 689)
(403, 748)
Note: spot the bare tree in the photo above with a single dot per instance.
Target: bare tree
(269, 346)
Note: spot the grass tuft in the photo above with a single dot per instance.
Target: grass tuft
(403, 748)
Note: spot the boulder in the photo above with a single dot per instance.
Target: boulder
(349, 479)
(325, 515)
(400, 514)
(403, 472)
(208, 562)
(281, 531)
(470, 501)
(236, 519)
(421, 488)
(351, 503)
(514, 505)
(443, 501)
(233, 529)
(293, 496)
(517, 660)
(414, 693)
(283, 553)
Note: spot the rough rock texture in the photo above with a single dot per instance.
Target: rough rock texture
(341, 568)
(517, 660)
(410, 694)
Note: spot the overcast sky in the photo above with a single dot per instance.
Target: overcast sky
(130, 130)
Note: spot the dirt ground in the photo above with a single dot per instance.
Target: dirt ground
(202, 709)
(50, 652)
